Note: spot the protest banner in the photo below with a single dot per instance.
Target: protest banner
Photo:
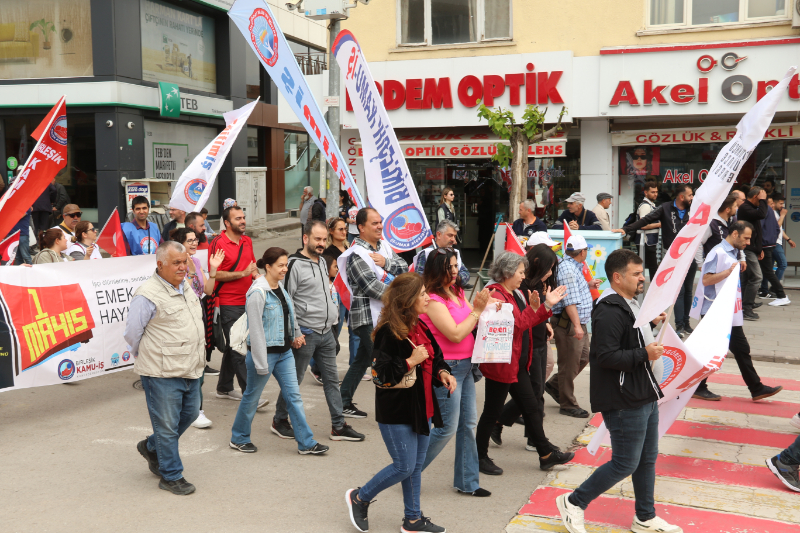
(49, 156)
(687, 364)
(260, 28)
(193, 188)
(64, 322)
(391, 190)
(708, 197)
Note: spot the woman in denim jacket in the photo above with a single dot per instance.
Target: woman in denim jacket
(273, 334)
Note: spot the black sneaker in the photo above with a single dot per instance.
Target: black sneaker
(688, 329)
(531, 447)
(351, 411)
(497, 434)
(705, 394)
(346, 433)
(211, 371)
(480, 493)
(575, 413)
(520, 420)
(317, 449)
(788, 474)
(424, 524)
(767, 295)
(487, 466)
(757, 305)
(766, 392)
(358, 510)
(247, 447)
(152, 458)
(181, 487)
(556, 457)
(750, 315)
(549, 389)
(680, 333)
(282, 428)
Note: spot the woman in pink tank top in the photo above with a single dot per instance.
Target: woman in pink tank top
(451, 319)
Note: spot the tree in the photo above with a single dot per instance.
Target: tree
(520, 136)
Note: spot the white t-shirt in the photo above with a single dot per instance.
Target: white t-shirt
(780, 229)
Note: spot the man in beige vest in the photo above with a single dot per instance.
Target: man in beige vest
(167, 339)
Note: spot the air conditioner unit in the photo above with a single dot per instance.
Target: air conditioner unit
(324, 9)
(796, 14)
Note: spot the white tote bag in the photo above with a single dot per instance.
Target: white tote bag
(495, 335)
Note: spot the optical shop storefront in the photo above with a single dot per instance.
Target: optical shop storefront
(432, 106)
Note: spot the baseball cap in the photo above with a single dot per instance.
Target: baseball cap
(576, 242)
(576, 197)
(540, 237)
(602, 196)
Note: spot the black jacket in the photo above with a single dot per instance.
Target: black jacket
(519, 229)
(754, 215)
(586, 220)
(404, 406)
(168, 227)
(620, 376)
(671, 223)
(318, 210)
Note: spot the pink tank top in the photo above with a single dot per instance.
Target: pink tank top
(459, 311)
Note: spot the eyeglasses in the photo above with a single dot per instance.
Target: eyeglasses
(74, 215)
(192, 241)
(92, 229)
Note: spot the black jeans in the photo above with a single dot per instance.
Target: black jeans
(684, 302)
(740, 349)
(360, 364)
(233, 363)
(651, 261)
(523, 394)
(769, 274)
(41, 221)
(538, 369)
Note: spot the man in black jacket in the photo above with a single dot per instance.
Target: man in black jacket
(753, 210)
(673, 217)
(623, 388)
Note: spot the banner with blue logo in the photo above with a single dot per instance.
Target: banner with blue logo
(193, 188)
(260, 29)
(389, 184)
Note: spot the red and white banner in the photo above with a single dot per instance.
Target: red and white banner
(685, 365)
(49, 156)
(709, 196)
(8, 248)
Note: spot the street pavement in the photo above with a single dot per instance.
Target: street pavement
(776, 335)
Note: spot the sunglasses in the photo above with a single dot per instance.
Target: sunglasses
(642, 157)
(92, 229)
(74, 215)
(444, 251)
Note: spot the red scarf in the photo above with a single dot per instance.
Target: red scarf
(419, 338)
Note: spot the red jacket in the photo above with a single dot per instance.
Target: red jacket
(523, 320)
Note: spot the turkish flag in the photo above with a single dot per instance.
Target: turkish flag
(512, 242)
(8, 248)
(341, 288)
(47, 159)
(110, 238)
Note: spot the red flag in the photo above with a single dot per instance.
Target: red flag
(341, 288)
(112, 240)
(587, 274)
(47, 159)
(512, 242)
(8, 247)
(37, 133)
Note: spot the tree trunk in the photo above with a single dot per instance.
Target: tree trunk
(519, 172)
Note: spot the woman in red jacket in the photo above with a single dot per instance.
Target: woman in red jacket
(508, 270)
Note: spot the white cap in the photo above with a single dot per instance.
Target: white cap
(540, 237)
(576, 242)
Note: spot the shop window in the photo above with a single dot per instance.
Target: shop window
(553, 180)
(443, 22)
(311, 60)
(45, 39)
(296, 167)
(691, 13)
(255, 148)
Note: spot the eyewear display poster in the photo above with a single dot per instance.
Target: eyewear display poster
(178, 46)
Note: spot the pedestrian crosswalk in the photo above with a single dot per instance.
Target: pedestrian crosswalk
(710, 474)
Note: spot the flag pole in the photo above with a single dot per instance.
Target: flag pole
(664, 325)
(485, 255)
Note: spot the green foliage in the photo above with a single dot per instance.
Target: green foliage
(45, 27)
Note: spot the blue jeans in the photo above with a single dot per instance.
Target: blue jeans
(634, 447)
(779, 256)
(358, 366)
(282, 366)
(460, 416)
(24, 250)
(407, 450)
(173, 404)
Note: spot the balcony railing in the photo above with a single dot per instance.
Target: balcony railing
(311, 64)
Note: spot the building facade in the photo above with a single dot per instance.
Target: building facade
(111, 57)
(653, 90)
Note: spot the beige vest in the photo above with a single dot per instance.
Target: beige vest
(173, 344)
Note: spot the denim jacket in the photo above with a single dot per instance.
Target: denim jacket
(264, 307)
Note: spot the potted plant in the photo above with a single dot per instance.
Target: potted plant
(46, 28)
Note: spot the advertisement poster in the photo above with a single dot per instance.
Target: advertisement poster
(134, 189)
(178, 46)
(640, 161)
(45, 39)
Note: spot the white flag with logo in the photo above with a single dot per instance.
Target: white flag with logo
(193, 188)
(709, 196)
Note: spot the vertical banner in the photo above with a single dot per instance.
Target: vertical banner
(709, 196)
(390, 187)
(49, 156)
(260, 29)
(194, 186)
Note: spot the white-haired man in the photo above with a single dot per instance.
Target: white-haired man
(527, 224)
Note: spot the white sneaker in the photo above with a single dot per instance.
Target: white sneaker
(262, 402)
(795, 421)
(654, 525)
(572, 515)
(780, 301)
(232, 395)
(202, 422)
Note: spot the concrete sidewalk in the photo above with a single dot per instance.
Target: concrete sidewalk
(775, 337)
